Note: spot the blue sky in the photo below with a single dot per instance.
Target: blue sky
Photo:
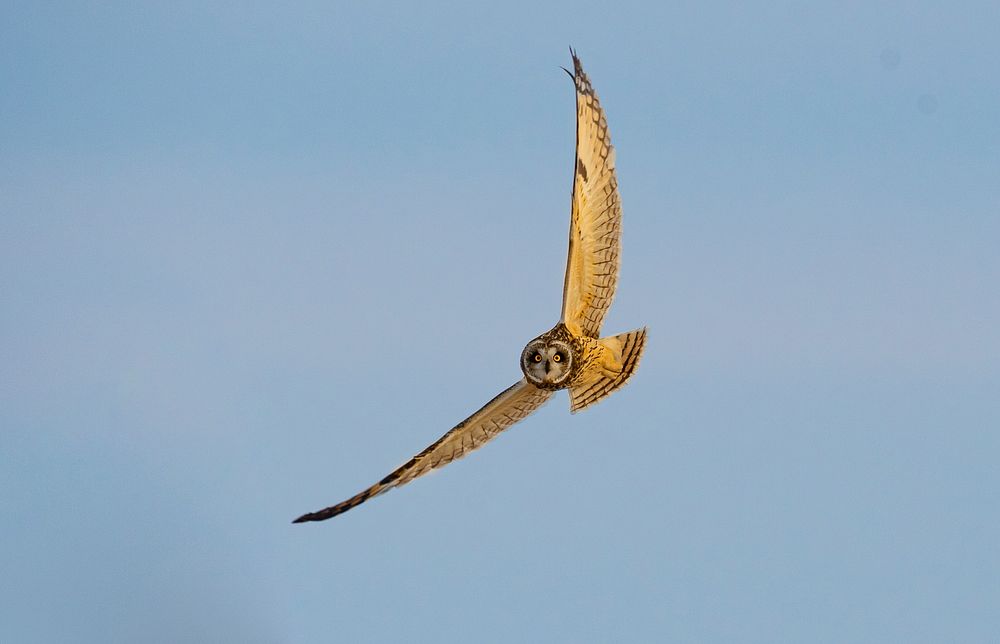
(253, 256)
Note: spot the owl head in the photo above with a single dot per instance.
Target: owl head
(546, 362)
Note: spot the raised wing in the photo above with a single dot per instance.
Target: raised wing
(512, 405)
(595, 225)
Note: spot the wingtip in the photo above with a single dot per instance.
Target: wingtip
(577, 65)
(312, 516)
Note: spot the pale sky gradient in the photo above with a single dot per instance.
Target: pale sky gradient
(254, 256)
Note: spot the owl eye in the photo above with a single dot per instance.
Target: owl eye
(538, 357)
(557, 357)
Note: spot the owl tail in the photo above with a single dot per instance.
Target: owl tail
(622, 359)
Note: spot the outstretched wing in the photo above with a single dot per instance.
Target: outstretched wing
(595, 225)
(512, 405)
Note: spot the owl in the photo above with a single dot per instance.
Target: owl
(572, 355)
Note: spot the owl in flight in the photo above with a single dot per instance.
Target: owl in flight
(572, 355)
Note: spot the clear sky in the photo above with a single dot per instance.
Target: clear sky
(253, 256)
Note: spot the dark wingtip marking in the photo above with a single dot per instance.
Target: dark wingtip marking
(577, 65)
(323, 515)
(344, 506)
(581, 169)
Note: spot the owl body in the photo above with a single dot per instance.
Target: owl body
(590, 368)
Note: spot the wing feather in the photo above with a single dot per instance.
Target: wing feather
(510, 406)
(625, 350)
(595, 223)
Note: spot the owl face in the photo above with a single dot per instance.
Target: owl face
(547, 362)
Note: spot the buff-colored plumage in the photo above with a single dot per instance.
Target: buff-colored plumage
(595, 233)
(617, 360)
(572, 355)
(595, 229)
(515, 403)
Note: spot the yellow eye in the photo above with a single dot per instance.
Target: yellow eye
(538, 357)
(556, 358)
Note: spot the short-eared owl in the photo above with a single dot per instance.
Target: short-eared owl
(572, 355)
